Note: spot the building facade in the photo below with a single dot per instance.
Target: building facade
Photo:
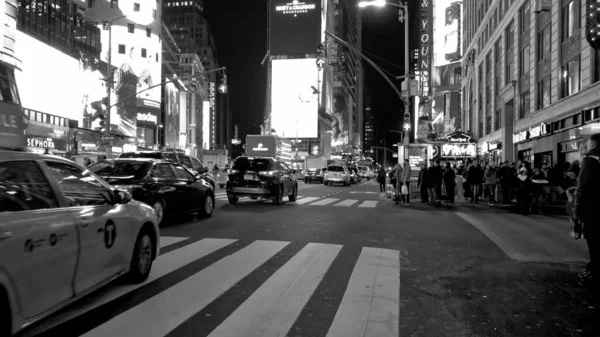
(530, 79)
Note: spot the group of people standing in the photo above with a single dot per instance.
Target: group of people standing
(399, 178)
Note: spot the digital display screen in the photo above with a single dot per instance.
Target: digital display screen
(447, 44)
(295, 27)
(294, 98)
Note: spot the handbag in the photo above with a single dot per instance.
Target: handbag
(404, 190)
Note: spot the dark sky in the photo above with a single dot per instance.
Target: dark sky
(240, 27)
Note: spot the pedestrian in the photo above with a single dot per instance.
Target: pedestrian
(523, 191)
(449, 182)
(434, 182)
(422, 183)
(538, 195)
(381, 179)
(397, 182)
(405, 179)
(474, 179)
(585, 208)
(490, 183)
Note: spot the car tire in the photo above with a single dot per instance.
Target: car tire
(233, 199)
(278, 199)
(325, 183)
(294, 194)
(5, 315)
(141, 261)
(159, 208)
(208, 206)
(305, 181)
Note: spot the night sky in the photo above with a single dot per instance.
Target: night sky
(240, 27)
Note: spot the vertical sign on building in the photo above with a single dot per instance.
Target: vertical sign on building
(425, 48)
(211, 101)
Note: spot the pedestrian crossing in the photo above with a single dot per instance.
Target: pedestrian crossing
(315, 201)
(369, 305)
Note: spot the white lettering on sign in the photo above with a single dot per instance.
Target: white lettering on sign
(8, 121)
(538, 131)
(425, 50)
(519, 137)
(295, 7)
(459, 150)
(211, 94)
(493, 146)
(458, 140)
(260, 148)
(147, 117)
(39, 142)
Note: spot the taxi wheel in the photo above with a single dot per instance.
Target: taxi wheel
(5, 315)
(209, 205)
(159, 208)
(141, 263)
(278, 200)
(294, 194)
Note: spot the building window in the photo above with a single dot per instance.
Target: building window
(154, 13)
(121, 49)
(544, 43)
(571, 77)
(497, 119)
(524, 61)
(570, 19)
(509, 71)
(91, 3)
(136, 7)
(131, 28)
(543, 93)
(596, 66)
(525, 17)
(144, 53)
(525, 105)
(148, 32)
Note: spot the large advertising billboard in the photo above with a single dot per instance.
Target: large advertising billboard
(295, 26)
(294, 98)
(447, 46)
(171, 101)
(341, 119)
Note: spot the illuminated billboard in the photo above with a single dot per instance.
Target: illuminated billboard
(206, 111)
(294, 98)
(295, 26)
(171, 102)
(446, 39)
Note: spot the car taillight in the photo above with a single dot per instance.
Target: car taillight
(266, 173)
(234, 171)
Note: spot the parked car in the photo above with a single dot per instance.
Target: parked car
(365, 172)
(191, 163)
(64, 232)
(337, 174)
(313, 175)
(167, 186)
(261, 177)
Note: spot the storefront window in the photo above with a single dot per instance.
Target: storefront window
(8, 86)
(146, 137)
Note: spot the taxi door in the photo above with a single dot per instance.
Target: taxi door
(103, 231)
(38, 240)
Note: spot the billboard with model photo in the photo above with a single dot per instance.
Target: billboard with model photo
(171, 101)
(294, 98)
(295, 26)
(447, 46)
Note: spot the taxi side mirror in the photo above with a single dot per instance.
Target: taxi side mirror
(122, 197)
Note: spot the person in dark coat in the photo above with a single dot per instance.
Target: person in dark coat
(523, 191)
(475, 178)
(381, 179)
(422, 183)
(585, 208)
(449, 182)
(434, 182)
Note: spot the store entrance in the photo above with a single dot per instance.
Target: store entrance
(540, 158)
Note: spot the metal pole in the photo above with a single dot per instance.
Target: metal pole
(406, 70)
(109, 81)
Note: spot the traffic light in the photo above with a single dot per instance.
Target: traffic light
(592, 23)
(321, 55)
(102, 117)
(223, 85)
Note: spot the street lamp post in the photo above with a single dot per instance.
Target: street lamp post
(386, 150)
(402, 17)
(402, 135)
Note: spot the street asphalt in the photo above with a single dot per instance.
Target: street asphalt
(343, 261)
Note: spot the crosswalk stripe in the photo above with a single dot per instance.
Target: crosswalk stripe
(164, 312)
(346, 203)
(371, 303)
(274, 307)
(163, 265)
(324, 202)
(305, 200)
(220, 193)
(166, 241)
(368, 204)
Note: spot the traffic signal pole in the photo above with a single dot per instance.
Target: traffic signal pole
(109, 84)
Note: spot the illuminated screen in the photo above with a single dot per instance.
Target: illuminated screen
(295, 26)
(294, 98)
(205, 124)
(459, 150)
(58, 85)
(171, 101)
(446, 38)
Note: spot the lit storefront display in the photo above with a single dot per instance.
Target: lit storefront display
(46, 133)
(148, 122)
(534, 145)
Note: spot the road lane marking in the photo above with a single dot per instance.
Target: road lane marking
(164, 312)
(371, 304)
(305, 200)
(163, 265)
(324, 202)
(506, 247)
(362, 192)
(369, 204)
(274, 307)
(346, 203)
(166, 241)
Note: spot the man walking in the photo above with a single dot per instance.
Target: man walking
(398, 179)
(475, 178)
(586, 200)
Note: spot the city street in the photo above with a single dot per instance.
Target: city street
(341, 261)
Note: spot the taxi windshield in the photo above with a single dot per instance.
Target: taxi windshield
(120, 168)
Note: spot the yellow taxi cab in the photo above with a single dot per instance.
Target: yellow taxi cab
(63, 234)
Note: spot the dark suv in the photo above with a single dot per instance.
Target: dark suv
(261, 177)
